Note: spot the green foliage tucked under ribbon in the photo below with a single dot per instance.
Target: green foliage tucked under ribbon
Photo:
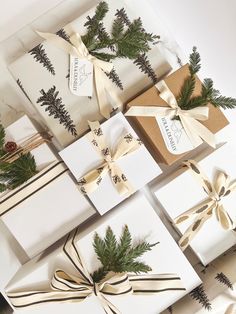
(208, 94)
(119, 256)
(127, 39)
(15, 173)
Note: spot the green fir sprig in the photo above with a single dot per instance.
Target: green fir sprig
(17, 172)
(208, 93)
(127, 39)
(119, 256)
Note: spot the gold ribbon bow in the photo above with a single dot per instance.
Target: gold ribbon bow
(212, 205)
(77, 48)
(71, 288)
(93, 178)
(194, 129)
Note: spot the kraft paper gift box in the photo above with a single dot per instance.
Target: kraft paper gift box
(33, 76)
(49, 205)
(185, 192)
(165, 257)
(152, 133)
(138, 166)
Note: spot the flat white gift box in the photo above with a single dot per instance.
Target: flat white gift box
(143, 223)
(139, 167)
(52, 211)
(184, 192)
(32, 76)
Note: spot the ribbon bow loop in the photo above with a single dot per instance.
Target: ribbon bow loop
(213, 204)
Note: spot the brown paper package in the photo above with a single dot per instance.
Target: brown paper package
(148, 126)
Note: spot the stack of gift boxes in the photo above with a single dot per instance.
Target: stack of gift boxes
(117, 249)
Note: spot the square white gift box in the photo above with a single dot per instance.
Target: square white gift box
(185, 192)
(138, 166)
(143, 223)
(49, 205)
(52, 68)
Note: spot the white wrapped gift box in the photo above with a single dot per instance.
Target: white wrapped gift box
(139, 167)
(143, 223)
(32, 77)
(40, 218)
(184, 192)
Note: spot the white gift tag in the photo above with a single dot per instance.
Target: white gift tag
(174, 135)
(81, 77)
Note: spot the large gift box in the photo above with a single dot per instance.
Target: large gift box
(165, 259)
(166, 136)
(43, 75)
(47, 206)
(118, 167)
(200, 202)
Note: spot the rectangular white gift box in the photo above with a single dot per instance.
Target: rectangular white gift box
(32, 76)
(184, 192)
(50, 211)
(139, 167)
(143, 223)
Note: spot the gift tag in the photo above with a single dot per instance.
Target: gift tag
(81, 77)
(174, 135)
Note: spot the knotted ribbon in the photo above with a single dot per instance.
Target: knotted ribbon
(76, 288)
(194, 129)
(216, 191)
(77, 48)
(128, 144)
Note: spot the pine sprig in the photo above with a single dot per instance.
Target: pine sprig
(128, 39)
(223, 279)
(119, 256)
(115, 78)
(200, 295)
(14, 174)
(208, 93)
(54, 106)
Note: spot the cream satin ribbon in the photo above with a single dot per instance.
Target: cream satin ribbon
(212, 205)
(76, 288)
(194, 129)
(77, 48)
(128, 144)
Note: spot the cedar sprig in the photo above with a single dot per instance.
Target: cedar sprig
(119, 256)
(54, 106)
(208, 93)
(13, 174)
(40, 55)
(112, 75)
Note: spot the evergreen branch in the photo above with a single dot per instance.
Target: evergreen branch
(224, 102)
(56, 108)
(112, 75)
(194, 62)
(117, 28)
(3, 187)
(18, 172)
(186, 92)
(200, 295)
(222, 278)
(39, 54)
(122, 15)
(144, 65)
(119, 256)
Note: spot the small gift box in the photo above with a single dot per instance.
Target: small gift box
(49, 204)
(201, 204)
(48, 79)
(171, 130)
(119, 292)
(110, 163)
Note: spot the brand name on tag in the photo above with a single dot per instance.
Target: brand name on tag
(81, 77)
(174, 135)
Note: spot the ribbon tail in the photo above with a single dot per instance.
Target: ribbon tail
(197, 132)
(120, 181)
(193, 229)
(224, 219)
(108, 307)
